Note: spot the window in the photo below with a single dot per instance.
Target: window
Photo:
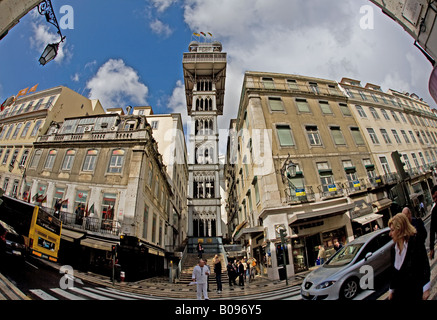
(292, 84)
(403, 117)
(313, 136)
(314, 87)
(345, 109)
(90, 160)
(395, 134)
(337, 135)
(384, 164)
(154, 228)
(374, 113)
(116, 161)
(356, 134)
(26, 129)
(416, 163)
(404, 134)
(14, 136)
(145, 221)
(256, 187)
(14, 156)
(154, 124)
(303, 106)
(413, 138)
(374, 97)
(422, 159)
(373, 136)
(8, 134)
(36, 128)
(24, 158)
(108, 209)
(407, 161)
(268, 83)
(385, 136)
(68, 160)
(276, 104)
(419, 137)
(285, 136)
(4, 129)
(80, 202)
(361, 111)
(150, 175)
(36, 158)
(362, 95)
(50, 159)
(351, 174)
(326, 178)
(350, 93)
(393, 114)
(38, 105)
(385, 114)
(7, 153)
(324, 106)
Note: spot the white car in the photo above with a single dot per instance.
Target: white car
(341, 277)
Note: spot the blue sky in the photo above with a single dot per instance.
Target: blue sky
(130, 52)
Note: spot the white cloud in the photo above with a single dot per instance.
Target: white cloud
(316, 38)
(117, 85)
(162, 5)
(75, 77)
(160, 28)
(42, 37)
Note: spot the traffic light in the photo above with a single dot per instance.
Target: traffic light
(114, 250)
(396, 157)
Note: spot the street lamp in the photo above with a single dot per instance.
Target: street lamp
(45, 8)
(50, 52)
(290, 169)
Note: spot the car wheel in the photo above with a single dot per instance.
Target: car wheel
(349, 289)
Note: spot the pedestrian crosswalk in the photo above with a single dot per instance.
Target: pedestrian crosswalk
(86, 293)
(107, 293)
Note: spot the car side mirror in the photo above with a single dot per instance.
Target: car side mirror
(368, 255)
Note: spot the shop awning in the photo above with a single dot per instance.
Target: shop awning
(382, 204)
(321, 214)
(249, 231)
(238, 228)
(367, 218)
(70, 236)
(97, 244)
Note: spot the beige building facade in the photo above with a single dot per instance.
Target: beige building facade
(394, 121)
(305, 122)
(23, 121)
(108, 171)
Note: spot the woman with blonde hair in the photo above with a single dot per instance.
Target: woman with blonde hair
(410, 276)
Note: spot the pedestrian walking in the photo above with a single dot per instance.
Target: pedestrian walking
(416, 223)
(240, 273)
(199, 250)
(322, 255)
(337, 245)
(200, 277)
(253, 269)
(218, 272)
(230, 270)
(249, 265)
(433, 228)
(209, 272)
(245, 267)
(410, 271)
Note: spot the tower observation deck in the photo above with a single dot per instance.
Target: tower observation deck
(205, 76)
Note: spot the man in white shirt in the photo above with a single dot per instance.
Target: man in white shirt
(200, 276)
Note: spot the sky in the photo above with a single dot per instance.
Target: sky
(130, 52)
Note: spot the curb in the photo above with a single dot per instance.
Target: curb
(9, 289)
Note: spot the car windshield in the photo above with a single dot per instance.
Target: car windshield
(344, 256)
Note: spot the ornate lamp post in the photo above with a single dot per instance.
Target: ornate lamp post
(45, 8)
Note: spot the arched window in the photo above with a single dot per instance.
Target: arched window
(50, 159)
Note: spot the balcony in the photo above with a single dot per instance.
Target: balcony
(354, 187)
(93, 224)
(321, 90)
(331, 191)
(300, 195)
(93, 136)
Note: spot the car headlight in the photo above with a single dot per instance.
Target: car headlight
(325, 285)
